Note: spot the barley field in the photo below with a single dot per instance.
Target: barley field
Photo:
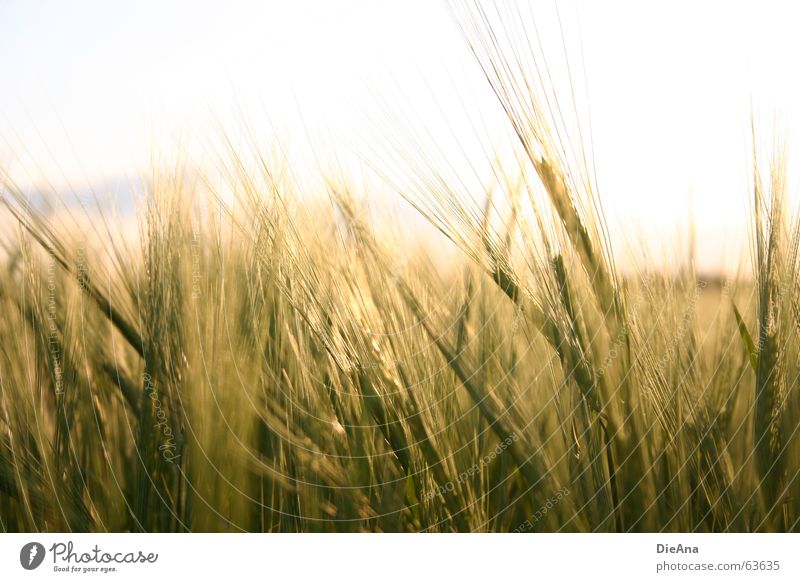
(253, 357)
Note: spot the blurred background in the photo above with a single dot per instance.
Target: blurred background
(94, 91)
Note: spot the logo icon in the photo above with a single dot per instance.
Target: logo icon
(31, 555)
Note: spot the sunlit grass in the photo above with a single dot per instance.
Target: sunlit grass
(256, 361)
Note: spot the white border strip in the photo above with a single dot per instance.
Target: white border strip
(401, 557)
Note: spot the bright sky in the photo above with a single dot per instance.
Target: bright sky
(91, 87)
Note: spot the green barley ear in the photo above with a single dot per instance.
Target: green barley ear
(577, 357)
(770, 384)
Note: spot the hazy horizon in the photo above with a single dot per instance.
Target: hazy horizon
(93, 93)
